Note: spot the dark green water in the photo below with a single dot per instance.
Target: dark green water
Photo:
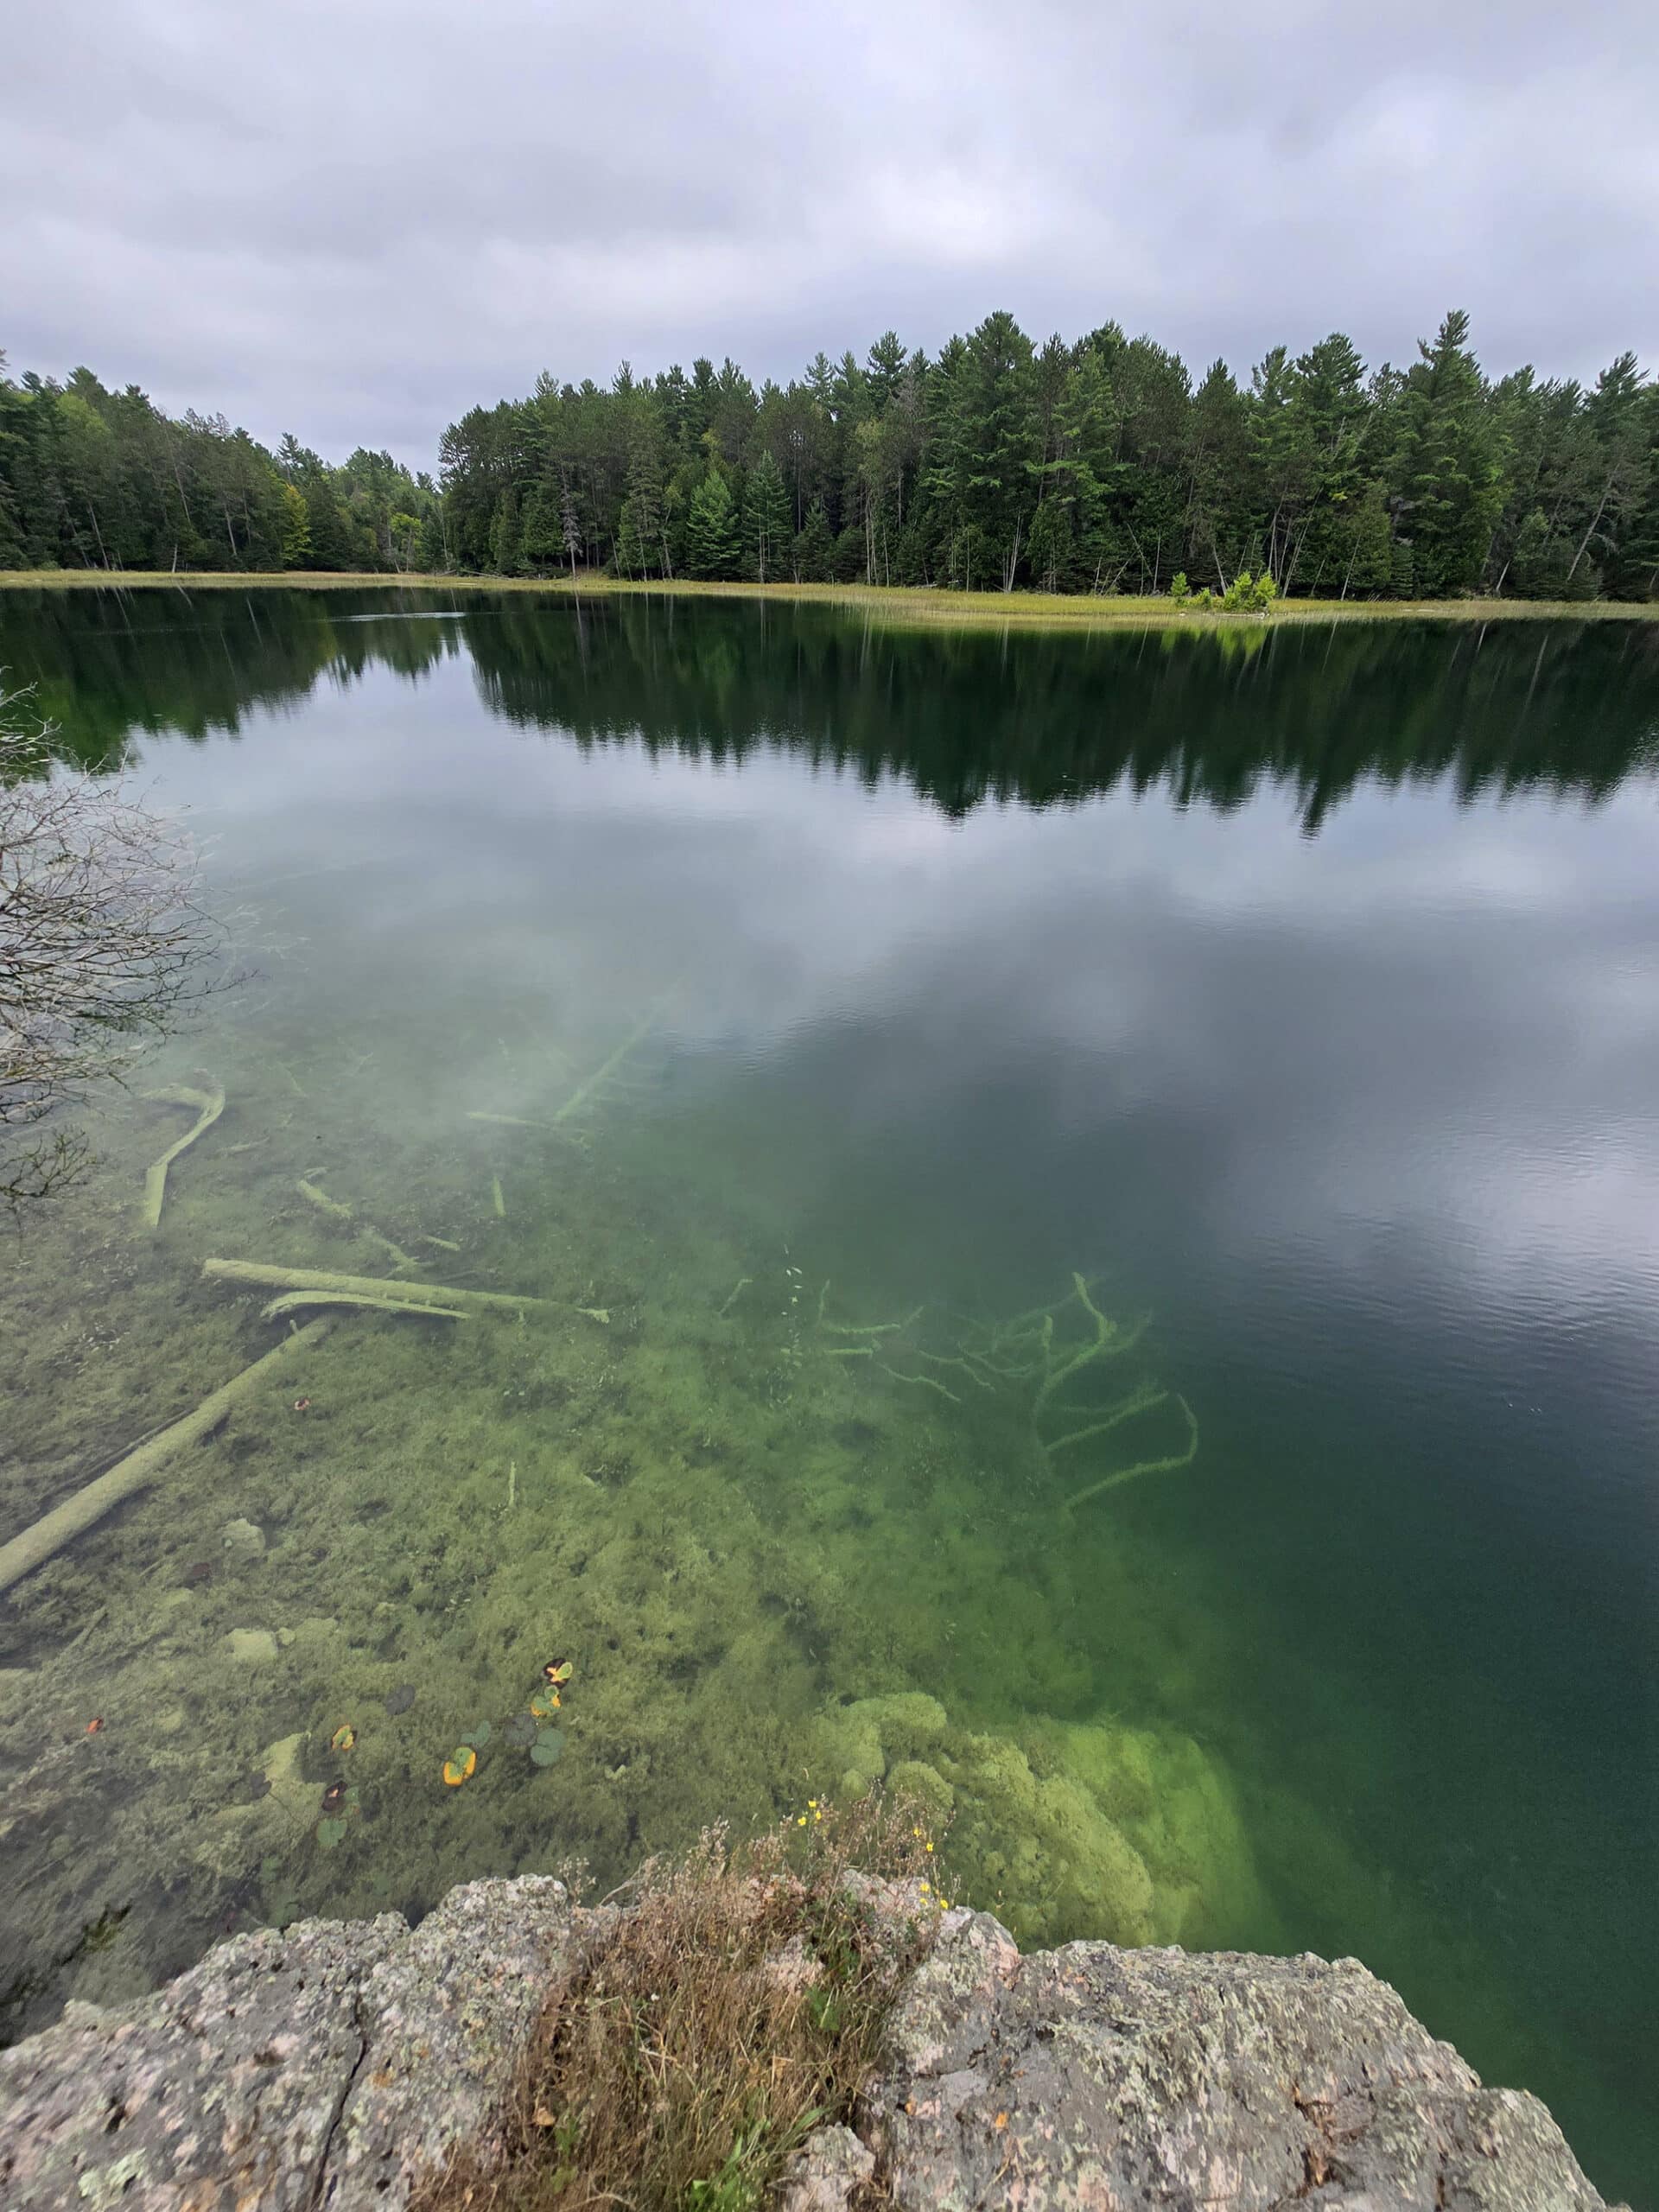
(1301, 992)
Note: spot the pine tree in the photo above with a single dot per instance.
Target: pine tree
(539, 545)
(506, 536)
(296, 530)
(640, 540)
(814, 548)
(1050, 553)
(999, 441)
(712, 546)
(1446, 488)
(766, 535)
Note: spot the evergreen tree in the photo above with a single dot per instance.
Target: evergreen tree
(814, 548)
(713, 545)
(506, 540)
(1448, 496)
(541, 541)
(998, 444)
(766, 535)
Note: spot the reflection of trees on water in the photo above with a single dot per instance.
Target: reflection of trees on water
(964, 717)
(112, 666)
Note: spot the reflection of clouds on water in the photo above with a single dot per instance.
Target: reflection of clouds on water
(1432, 1019)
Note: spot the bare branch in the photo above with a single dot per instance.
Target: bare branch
(100, 940)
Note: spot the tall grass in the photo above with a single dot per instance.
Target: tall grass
(734, 2002)
(894, 606)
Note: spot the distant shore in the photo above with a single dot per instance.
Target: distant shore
(895, 605)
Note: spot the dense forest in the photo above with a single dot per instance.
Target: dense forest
(1094, 466)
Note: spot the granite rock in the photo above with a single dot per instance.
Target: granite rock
(1168, 2081)
(326, 2068)
(323, 2067)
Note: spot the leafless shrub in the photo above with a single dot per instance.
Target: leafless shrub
(100, 940)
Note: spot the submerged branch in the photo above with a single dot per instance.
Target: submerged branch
(141, 1466)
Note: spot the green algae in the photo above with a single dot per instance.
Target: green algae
(775, 1567)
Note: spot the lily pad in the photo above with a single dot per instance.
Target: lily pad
(545, 1703)
(329, 1833)
(478, 1737)
(401, 1699)
(519, 1732)
(547, 1746)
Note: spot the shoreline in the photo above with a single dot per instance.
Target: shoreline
(895, 605)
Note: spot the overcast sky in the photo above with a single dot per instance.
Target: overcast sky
(354, 218)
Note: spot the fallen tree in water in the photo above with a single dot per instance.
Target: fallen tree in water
(140, 1467)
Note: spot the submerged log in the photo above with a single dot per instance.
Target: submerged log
(55, 1530)
(209, 1105)
(259, 1276)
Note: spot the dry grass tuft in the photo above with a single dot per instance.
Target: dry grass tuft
(735, 2002)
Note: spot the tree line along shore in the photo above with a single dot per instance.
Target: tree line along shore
(1099, 468)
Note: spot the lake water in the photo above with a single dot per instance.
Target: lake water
(802, 1009)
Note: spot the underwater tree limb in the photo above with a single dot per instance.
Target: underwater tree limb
(140, 1467)
(926, 1381)
(389, 1302)
(584, 1091)
(1141, 1400)
(1144, 1467)
(210, 1104)
(259, 1276)
(364, 1231)
(319, 1198)
(1107, 1344)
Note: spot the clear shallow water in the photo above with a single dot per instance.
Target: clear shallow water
(1301, 994)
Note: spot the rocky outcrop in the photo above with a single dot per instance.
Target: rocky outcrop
(328, 2066)
(324, 2067)
(1091, 2076)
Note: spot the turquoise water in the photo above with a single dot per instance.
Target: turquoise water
(1297, 992)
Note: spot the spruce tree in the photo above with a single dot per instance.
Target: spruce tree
(814, 548)
(1446, 488)
(766, 535)
(713, 545)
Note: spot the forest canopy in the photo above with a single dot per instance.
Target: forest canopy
(1095, 465)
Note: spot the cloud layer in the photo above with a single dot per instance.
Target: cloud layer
(355, 222)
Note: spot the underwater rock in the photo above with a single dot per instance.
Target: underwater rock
(280, 1764)
(915, 1778)
(250, 1646)
(857, 1741)
(1044, 1844)
(243, 1540)
(401, 1699)
(334, 2064)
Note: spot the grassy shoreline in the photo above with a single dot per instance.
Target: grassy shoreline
(895, 605)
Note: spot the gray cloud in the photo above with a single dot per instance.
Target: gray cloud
(356, 221)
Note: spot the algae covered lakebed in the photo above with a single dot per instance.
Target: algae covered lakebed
(1089, 1206)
